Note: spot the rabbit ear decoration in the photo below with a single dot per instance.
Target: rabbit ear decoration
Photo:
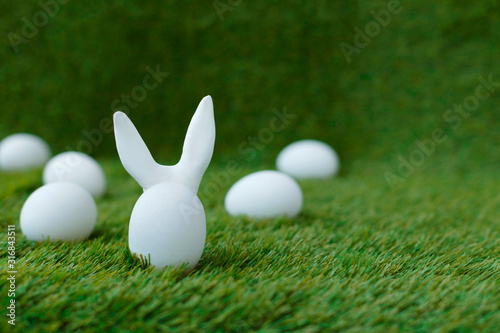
(196, 153)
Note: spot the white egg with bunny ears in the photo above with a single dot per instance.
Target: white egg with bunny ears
(168, 225)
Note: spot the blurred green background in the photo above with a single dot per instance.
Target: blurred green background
(253, 58)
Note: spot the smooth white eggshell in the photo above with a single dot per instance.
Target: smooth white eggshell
(308, 159)
(23, 151)
(264, 194)
(168, 226)
(62, 211)
(78, 168)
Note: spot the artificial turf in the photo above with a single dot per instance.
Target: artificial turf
(424, 256)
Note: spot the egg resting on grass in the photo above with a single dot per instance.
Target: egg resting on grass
(308, 159)
(78, 168)
(60, 211)
(23, 151)
(264, 194)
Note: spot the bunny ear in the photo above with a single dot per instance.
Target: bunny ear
(134, 153)
(198, 145)
(196, 153)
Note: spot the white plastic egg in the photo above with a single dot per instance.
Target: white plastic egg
(308, 159)
(78, 168)
(23, 151)
(264, 194)
(61, 211)
(168, 226)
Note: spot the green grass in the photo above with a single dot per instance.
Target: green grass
(360, 257)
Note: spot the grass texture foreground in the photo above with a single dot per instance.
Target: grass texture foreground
(424, 256)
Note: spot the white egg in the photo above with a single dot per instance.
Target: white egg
(78, 168)
(168, 226)
(264, 194)
(62, 211)
(308, 159)
(23, 151)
